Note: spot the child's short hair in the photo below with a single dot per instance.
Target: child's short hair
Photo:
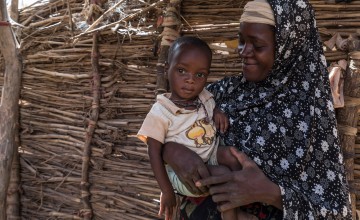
(189, 40)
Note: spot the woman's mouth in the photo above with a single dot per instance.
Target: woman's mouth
(249, 65)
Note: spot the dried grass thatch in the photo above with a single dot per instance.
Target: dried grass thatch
(58, 92)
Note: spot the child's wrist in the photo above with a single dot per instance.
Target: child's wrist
(167, 191)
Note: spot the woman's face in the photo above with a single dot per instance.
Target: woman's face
(257, 50)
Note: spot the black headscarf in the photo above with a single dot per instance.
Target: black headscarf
(287, 124)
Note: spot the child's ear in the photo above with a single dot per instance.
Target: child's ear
(166, 67)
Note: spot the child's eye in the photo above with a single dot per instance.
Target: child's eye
(181, 70)
(200, 75)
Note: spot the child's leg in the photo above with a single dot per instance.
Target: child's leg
(220, 170)
(224, 157)
(178, 185)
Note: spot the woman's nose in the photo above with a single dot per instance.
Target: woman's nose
(245, 50)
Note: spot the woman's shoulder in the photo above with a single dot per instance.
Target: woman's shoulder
(224, 83)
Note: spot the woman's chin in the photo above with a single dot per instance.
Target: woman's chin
(252, 76)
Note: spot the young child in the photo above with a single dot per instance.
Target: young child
(186, 116)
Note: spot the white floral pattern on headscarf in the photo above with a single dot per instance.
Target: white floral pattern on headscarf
(287, 124)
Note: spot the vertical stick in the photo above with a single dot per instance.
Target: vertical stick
(9, 107)
(348, 117)
(85, 192)
(14, 10)
(171, 23)
(13, 198)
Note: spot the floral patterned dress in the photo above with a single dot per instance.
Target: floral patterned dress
(287, 124)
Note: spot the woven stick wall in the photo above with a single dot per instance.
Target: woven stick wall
(56, 109)
(56, 106)
(58, 91)
(352, 89)
(339, 28)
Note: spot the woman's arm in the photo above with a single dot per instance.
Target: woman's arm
(242, 187)
(187, 165)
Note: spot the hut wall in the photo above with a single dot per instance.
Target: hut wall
(57, 93)
(338, 25)
(56, 104)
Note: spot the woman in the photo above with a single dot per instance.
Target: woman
(282, 122)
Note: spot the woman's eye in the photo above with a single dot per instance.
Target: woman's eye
(240, 39)
(240, 48)
(257, 47)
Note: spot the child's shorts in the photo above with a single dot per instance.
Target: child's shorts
(178, 186)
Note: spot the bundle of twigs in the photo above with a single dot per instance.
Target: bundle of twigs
(340, 18)
(57, 103)
(337, 18)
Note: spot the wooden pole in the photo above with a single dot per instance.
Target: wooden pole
(347, 119)
(13, 198)
(9, 107)
(170, 23)
(87, 211)
(14, 10)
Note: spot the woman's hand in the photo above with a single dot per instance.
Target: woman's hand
(242, 187)
(187, 165)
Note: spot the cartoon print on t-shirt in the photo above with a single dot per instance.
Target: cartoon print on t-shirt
(202, 132)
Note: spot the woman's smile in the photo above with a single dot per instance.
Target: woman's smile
(247, 67)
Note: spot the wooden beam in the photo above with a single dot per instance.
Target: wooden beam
(14, 10)
(9, 107)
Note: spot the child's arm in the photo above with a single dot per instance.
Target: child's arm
(167, 200)
(221, 120)
(157, 165)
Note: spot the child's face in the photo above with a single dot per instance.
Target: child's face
(188, 72)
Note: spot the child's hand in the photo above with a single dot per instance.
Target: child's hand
(221, 120)
(167, 205)
(245, 216)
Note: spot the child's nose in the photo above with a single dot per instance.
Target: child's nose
(190, 78)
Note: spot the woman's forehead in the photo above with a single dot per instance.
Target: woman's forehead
(256, 30)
